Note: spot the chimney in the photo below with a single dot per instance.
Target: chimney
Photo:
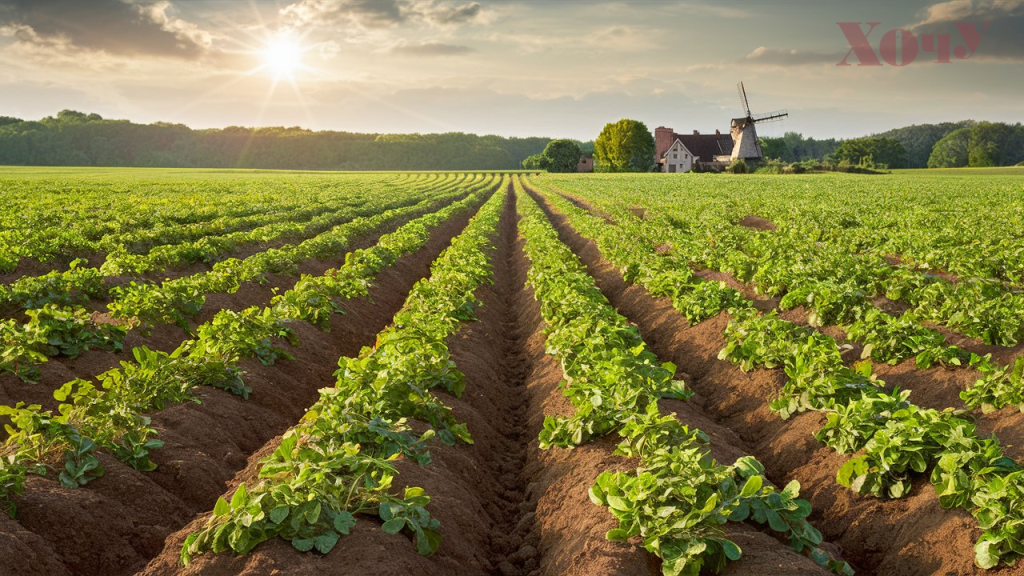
(696, 132)
(718, 132)
(663, 139)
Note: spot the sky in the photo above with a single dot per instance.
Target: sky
(557, 68)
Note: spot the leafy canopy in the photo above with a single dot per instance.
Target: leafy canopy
(625, 146)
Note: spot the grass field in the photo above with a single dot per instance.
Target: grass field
(254, 372)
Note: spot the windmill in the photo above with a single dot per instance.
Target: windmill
(744, 136)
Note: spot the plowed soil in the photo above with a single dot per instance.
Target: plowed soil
(506, 507)
(911, 536)
(116, 524)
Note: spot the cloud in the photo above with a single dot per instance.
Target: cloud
(378, 13)
(112, 26)
(719, 11)
(1003, 39)
(619, 39)
(444, 13)
(367, 13)
(783, 57)
(430, 49)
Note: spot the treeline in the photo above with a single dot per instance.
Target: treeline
(919, 139)
(75, 139)
(979, 145)
(793, 147)
(945, 145)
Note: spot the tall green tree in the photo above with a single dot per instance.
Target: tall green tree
(886, 151)
(625, 146)
(951, 150)
(562, 156)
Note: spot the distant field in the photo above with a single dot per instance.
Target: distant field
(116, 174)
(349, 373)
(996, 171)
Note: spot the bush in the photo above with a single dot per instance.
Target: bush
(771, 166)
(737, 166)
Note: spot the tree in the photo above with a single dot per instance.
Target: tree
(561, 156)
(951, 150)
(987, 141)
(535, 162)
(887, 151)
(775, 148)
(625, 146)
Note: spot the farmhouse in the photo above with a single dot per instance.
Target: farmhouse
(681, 152)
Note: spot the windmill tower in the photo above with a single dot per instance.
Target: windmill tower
(744, 136)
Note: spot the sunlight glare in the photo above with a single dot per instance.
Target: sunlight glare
(282, 56)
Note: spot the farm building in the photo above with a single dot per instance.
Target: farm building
(586, 163)
(680, 152)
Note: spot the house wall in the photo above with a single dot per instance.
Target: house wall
(678, 159)
(663, 139)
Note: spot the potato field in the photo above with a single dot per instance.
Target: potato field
(256, 373)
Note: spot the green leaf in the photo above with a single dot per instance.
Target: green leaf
(752, 486)
(393, 526)
(221, 508)
(279, 514)
(617, 503)
(983, 556)
(732, 551)
(241, 498)
(344, 522)
(325, 542)
(617, 535)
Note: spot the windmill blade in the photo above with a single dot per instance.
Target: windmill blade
(743, 99)
(771, 116)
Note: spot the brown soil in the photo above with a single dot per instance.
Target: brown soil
(506, 506)
(757, 223)
(761, 302)
(912, 536)
(120, 521)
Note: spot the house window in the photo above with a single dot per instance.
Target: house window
(675, 156)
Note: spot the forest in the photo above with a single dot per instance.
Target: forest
(944, 145)
(76, 139)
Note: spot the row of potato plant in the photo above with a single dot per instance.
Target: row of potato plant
(81, 282)
(48, 221)
(893, 437)
(112, 413)
(338, 463)
(179, 299)
(838, 287)
(176, 300)
(678, 499)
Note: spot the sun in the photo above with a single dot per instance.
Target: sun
(282, 56)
